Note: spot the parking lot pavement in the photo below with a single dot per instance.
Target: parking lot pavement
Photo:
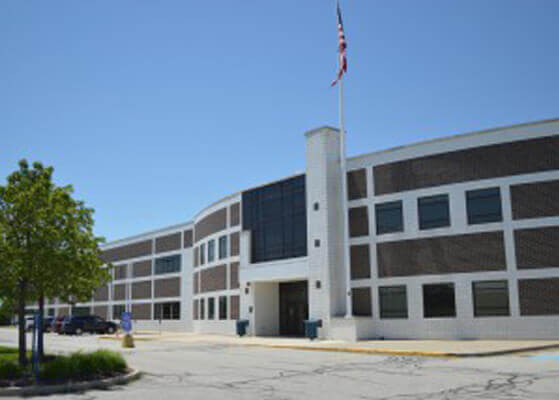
(217, 371)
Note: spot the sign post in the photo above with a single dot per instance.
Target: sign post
(126, 325)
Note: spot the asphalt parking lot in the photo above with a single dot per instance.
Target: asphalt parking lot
(214, 371)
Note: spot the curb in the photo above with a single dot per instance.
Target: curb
(360, 350)
(71, 387)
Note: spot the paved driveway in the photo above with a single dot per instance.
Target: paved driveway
(213, 371)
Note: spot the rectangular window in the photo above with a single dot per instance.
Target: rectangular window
(168, 265)
(433, 211)
(222, 247)
(484, 206)
(439, 300)
(118, 309)
(202, 254)
(202, 309)
(211, 251)
(223, 307)
(491, 298)
(51, 312)
(393, 302)
(80, 311)
(211, 308)
(167, 310)
(389, 217)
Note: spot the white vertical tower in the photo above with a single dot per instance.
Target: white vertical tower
(327, 286)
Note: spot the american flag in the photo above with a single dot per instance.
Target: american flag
(342, 46)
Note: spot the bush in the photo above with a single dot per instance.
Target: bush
(83, 366)
(10, 370)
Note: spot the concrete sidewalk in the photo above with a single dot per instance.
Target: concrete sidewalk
(429, 348)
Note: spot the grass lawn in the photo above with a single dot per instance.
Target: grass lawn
(61, 368)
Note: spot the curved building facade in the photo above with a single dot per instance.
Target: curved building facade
(451, 238)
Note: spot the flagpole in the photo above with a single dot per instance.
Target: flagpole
(345, 209)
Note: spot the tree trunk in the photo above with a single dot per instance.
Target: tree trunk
(22, 344)
(40, 342)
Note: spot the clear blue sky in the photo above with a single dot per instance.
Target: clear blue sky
(154, 109)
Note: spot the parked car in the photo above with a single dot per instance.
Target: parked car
(88, 323)
(29, 322)
(47, 324)
(57, 323)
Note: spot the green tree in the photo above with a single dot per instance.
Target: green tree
(47, 245)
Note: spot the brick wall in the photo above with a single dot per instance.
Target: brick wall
(213, 279)
(141, 290)
(168, 242)
(537, 247)
(356, 184)
(235, 213)
(360, 262)
(539, 296)
(234, 244)
(361, 301)
(215, 222)
(141, 311)
(442, 255)
(119, 292)
(234, 275)
(358, 221)
(235, 306)
(534, 200)
(169, 287)
(132, 250)
(141, 268)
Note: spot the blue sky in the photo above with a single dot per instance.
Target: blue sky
(153, 110)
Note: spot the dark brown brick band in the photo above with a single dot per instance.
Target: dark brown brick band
(213, 279)
(442, 255)
(235, 307)
(141, 268)
(138, 249)
(141, 311)
(356, 184)
(537, 247)
(120, 271)
(101, 294)
(101, 311)
(168, 243)
(170, 287)
(215, 222)
(234, 244)
(234, 275)
(534, 155)
(360, 262)
(119, 292)
(188, 237)
(141, 290)
(195, 309)
(533, 200)
(235, 214)
(539, 296)
(358, 221)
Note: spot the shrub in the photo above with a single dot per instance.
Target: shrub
(83, 366)
(10, 370)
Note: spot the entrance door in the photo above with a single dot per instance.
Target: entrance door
(294, 308)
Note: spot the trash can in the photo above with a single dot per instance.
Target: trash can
(311, 328)
(242, 327)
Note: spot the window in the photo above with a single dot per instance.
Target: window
(118, 309)
(222, 247)
(202, 254)
(168, 265)
(484, 206)
(51, 312)
(80, 311)
(223, 307)
(211, 308)
(491, 298)
(393, 302)
(211, 251)
(202, 309)
(276, 216)
(433, 212)
(389, 217)
(167, 310)
(438, 300)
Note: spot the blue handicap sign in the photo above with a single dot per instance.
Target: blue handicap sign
(126, 322)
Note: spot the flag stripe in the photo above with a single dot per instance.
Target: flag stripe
(342, 47)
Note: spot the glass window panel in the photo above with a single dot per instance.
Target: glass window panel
(202, 309)
(393, 302)
(491, 298)
(211, 308)
(389, 217)
(202, 254)
(223, 247)
(211, 250)
(484, 206)
(439, 300)
(433, 212)
(223, 307)
(168, 265)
